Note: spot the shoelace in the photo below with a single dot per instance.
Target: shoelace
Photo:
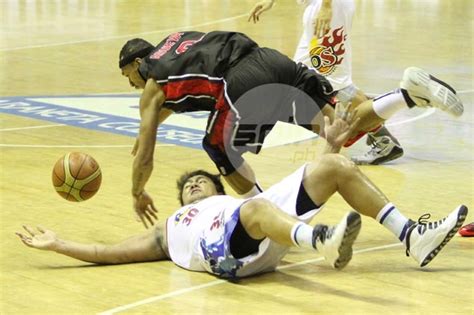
(376, 146)
(422, 225)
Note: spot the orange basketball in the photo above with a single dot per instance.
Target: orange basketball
(76, 176)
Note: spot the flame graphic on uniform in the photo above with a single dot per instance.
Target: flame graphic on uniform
(327, 55)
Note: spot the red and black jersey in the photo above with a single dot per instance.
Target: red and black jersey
(190, 67)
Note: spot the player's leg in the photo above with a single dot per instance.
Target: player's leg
(423, 239)
(261, 218)
(384, 146)
(235, 170)
(417, 88)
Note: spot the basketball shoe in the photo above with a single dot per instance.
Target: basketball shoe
(427, 91)
(467, 230)
(424, 239)
(383, 150)
(335, 243)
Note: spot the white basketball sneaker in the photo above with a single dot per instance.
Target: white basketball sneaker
(425, 240)
(335, 243)
(383, 149)
(427, 91)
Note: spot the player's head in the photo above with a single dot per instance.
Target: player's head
(197, 185)
(130, 58)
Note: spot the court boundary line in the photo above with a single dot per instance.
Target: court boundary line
(218, 282)
(32, 127)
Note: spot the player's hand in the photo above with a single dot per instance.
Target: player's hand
(322, 22)
(145, 209)
(343, 127)
(135, 147)
(259, 8)
(39, 238)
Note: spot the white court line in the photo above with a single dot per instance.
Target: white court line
(3, 145)
(128, 35)
(217, 282)
(457, 92)
(427, 113)
(32, 127)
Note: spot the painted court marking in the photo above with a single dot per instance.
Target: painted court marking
(218, 282)
(32, 127)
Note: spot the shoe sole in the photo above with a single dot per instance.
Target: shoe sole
(443, 95)
(462, 213)
(353, 225)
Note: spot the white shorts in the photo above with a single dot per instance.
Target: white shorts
(334, 49)
(215, 243)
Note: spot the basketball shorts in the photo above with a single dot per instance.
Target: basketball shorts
(263, 88)
(215, 243)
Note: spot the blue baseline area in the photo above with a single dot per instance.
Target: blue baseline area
(23, 106)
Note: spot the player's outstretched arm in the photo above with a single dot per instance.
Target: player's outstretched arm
(149, 246)
(259, 8)
(162, 116)
(151, 103)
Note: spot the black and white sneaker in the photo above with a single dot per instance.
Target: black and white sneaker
(425, 240)
(383, 149)
(335, 243)
(427, 91)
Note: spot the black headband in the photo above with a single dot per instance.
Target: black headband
(125, 60)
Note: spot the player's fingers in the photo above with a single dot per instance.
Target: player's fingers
(353, 116)
(142, 218)
(327, 122)
(148, 219)
(20, 235)
(24, 239)
(153, 214)
(325, 28)
(252, 15)
(40, 228)
(153, 208)
(29, 230)
(316, 28)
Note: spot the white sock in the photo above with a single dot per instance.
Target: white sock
(385, 106)
(302, 235)
(393, 220)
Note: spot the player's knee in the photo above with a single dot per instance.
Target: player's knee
(253, 214)
(335, 165)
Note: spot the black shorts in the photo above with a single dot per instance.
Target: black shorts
(262, 88)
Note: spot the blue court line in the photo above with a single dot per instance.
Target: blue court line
(24, 106)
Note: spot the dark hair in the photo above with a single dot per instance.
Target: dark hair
(216, 179)
(134, 48)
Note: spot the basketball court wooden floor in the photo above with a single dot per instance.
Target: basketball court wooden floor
(67, 51)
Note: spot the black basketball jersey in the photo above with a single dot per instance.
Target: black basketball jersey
(190, 67)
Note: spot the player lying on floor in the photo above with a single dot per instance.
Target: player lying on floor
(231, 237)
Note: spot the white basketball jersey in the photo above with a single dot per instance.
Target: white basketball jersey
(332, 54)
(187, 224)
